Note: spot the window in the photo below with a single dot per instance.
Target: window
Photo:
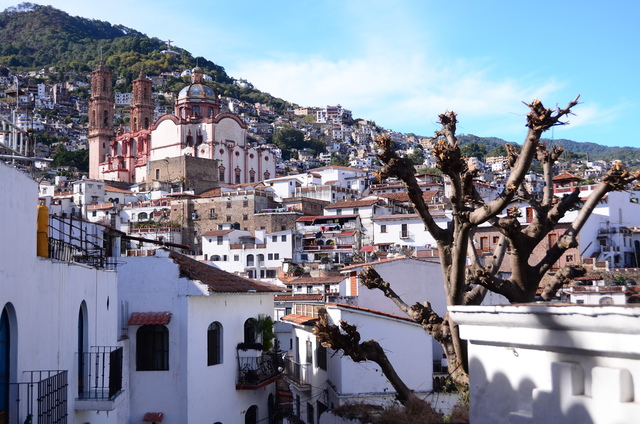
(383, 228)
(271, 273)
(309, 352)
(310, 414)
(157, 173)
(219, 239)
(321, 357)
(228, 218)
(228, 205)
(495, 239)
(484, 244)
(569, 258)
(250, 260)
(251, 417)
(236, 258)
(552, 238)
(245, 203)
(214, 344)
(274, 239)
(283, 238)
(276, 256)
(212, 213)
(270, 256)
(152, 348)
(94, 213)
(250, 331)
(338, 211)
(245, 217)
(356, 211)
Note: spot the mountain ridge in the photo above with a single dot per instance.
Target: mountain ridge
(36, 36)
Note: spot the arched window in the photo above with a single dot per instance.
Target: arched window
(250, 331)
(249, 260)
(606, 300)
(82, 346)
(105, 119)
(260, 258)
(142, 215)
(252, 176)
(267, 175)
(5, 351)
(215, 258)
(152, 348)
(214, 344)
(238, 171)
(221, 170)
(146, 123)
(251, 417)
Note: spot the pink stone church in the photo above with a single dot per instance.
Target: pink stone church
(145, 151)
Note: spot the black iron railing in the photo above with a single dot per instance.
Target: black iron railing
(100, 373)
(42, 398)
(296, 373)
(256, 368)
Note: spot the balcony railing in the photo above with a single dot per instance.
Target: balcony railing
(42, 398)
(100, 375)
(405, 235)
(257, 369)
(298, 374)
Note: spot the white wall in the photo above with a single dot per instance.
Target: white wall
(552, 364)
(44, 298)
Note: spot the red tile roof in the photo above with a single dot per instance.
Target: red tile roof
(149, 318)
(299, 319)
(217, 233)
(220, 281)
(566, 176)
(153, 417)
(329, 279)
(373, 311)
(297, 297)
(324, 217)
(117, 189)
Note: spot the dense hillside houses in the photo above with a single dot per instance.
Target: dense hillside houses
(199, 260)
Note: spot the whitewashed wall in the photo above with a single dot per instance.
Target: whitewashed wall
(552, 364)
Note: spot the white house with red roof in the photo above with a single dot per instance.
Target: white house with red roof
(328, 239)
(366, 208)
(195, 352)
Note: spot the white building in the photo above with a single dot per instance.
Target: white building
(321, 380)
(186, 324)
(56, 318)
(258, 255)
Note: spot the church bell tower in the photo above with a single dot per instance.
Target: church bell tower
(100, 119)
(141, 104)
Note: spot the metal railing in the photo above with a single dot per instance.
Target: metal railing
(43, 396)
(100, 373)
(296, 373)
(255, 368)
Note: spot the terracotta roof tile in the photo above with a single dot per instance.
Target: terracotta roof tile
(149, 318)
(297, 297)
(329, 279)
(299, 319)
(117, 189)
(153, 417)
(217, 233)
(218, 280)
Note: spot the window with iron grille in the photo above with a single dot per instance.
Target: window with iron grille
(321, 357)
(152, 348)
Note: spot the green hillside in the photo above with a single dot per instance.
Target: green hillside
(36, 37)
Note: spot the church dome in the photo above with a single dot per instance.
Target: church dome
(197, 92)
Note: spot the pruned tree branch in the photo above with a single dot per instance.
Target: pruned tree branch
(347, 339)
(562, 277)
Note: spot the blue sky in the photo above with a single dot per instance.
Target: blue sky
(402, 62)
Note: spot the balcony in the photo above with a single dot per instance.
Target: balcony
(257, 369)
(297, 374)
(41, 398)
(405, 235)
(101, 379)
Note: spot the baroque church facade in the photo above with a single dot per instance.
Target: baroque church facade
(214, 142)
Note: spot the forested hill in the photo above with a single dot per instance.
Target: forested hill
(490, 146)
(35, 37)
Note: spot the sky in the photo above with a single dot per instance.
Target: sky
(401, 63)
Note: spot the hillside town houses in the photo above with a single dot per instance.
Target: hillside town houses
(191, 262)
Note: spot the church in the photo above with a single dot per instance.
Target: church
(197, 144)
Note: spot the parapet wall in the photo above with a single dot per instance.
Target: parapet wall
(552, 364)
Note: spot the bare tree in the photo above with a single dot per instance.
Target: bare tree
(467, 285)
